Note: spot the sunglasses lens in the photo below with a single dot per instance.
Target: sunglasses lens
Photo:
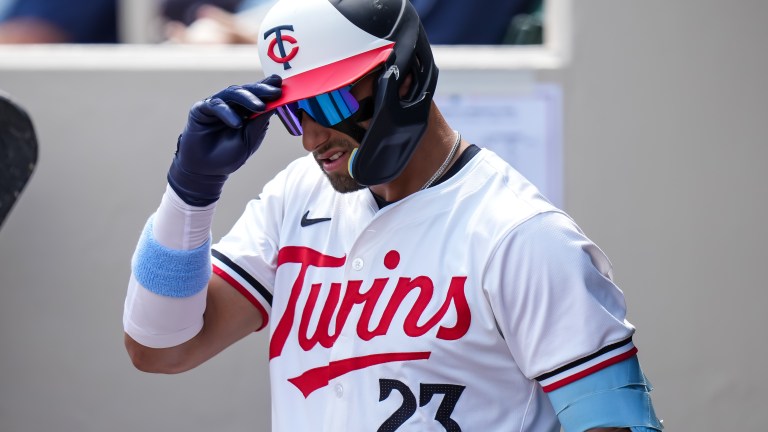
(291, 118)
(327, 109)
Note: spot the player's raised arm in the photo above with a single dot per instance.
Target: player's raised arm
(176, 314)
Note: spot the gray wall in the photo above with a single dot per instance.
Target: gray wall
(665, 132)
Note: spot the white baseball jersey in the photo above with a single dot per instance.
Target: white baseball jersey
(455, 308)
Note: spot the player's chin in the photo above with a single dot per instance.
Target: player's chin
(342, 182)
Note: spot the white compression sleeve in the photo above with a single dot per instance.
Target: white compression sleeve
(160, 321)
(178, 225)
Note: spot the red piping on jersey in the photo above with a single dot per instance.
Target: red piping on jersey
(244, 291)
(319, 377)
(590, 370)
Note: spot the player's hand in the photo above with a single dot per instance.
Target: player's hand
(219, 138)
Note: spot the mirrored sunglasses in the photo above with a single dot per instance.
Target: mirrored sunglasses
(327, 109)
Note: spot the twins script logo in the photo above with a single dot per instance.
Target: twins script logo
(279, 41)
(326, 333)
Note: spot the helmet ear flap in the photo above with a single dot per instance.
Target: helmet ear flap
(395, 130)
(398, 123)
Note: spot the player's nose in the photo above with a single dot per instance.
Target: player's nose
(313, 135)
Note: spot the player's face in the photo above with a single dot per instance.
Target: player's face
(331, 148)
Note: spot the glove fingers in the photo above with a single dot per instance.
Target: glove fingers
(243, 96)
(215, 107)
(267, 89)
(273, 80)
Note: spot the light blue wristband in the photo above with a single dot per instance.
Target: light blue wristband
(617, 396)
(169, 272)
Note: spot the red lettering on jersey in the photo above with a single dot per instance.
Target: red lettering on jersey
(319, 377)
(307, 257)
(326, 336)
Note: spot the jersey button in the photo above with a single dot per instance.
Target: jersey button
(339, 391)
(357, 264)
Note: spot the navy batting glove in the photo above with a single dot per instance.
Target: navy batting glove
(219, 138)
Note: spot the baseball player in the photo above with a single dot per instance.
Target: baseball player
(409, 280)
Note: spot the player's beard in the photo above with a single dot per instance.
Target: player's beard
(342, 181)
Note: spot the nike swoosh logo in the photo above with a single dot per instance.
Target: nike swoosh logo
(306, 221)
(319, 377)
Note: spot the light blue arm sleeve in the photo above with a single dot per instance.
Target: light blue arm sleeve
(617, 396)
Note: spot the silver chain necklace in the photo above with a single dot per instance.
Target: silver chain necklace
(447, 161)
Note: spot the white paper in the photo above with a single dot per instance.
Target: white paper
(524, 128)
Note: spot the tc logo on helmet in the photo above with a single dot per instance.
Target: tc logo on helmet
(280, 40)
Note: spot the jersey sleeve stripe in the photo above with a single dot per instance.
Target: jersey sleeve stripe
(245, 292)
(578, 369)
(249, 288)
(227, 263)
